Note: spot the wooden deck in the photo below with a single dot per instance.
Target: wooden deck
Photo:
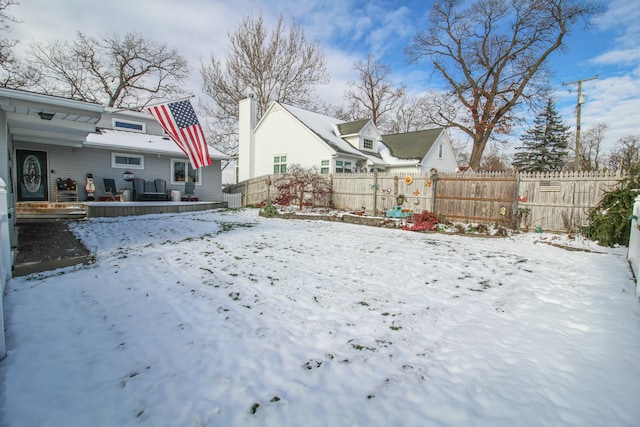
(109, 209)
(77, 210)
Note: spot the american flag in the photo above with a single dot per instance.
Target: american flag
(180, 122)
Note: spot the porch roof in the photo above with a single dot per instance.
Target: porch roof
(46, 119)
(140, 143)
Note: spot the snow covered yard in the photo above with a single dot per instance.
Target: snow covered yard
(227, 318)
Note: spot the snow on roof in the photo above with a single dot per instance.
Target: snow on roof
(140, 143)
(389, 159)
(329, 130)
(324, 127)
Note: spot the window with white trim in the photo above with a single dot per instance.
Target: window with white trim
(343, 166)
(440, 151)
(368, 144)
(127, 161)
(129, 125)
(279, 165)
(324, 167)
(181, 172)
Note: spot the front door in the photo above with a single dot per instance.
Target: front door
(32, 175)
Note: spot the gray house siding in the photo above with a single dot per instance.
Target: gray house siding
(76, 163)
(152, 126)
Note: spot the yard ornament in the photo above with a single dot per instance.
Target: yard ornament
(408, 180)
(90, 187)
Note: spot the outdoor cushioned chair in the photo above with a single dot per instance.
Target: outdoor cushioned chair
(161, 186)
(147, 190)
(110, 188)
(189, 190)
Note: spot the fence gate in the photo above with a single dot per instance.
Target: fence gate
(476, 198)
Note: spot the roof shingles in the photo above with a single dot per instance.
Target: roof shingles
(411, 145)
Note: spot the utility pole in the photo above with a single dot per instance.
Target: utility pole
(581, 100)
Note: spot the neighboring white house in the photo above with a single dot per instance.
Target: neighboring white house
(287, 135)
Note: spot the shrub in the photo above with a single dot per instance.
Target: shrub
(425, 221)
(303, 187)
(609, 220)
(270, 210)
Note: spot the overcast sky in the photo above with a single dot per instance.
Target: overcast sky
(349, 30)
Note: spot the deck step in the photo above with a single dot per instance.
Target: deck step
(39, 210)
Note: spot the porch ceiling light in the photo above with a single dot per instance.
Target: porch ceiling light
(46, 116)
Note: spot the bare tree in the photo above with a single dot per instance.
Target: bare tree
(591, 147)
(625, 155)
(492, 55)
(409, 115)
(277, 65)
(496, 159)
(13, 73)
(6, 44)
(460, 149)
(118, 71)
(373, 92)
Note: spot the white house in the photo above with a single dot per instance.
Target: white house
(287, 135)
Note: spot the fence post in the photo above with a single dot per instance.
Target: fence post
(375, 193)
(5, 259)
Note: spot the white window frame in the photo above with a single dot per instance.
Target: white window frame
(325, 167)
(186, 168)
(441, 151)
(344, 166)
(116, 165)
(364, 143)
(114, 123)
(280, 163)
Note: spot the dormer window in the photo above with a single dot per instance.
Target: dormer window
(129, 125)
(368, 144)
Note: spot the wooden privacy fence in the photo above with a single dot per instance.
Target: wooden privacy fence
(558, 201)
(482, 198)
(562, 201)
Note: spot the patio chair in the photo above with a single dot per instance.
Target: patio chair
(189, 191)
(147, 191)
(161, 186)
(110, 188)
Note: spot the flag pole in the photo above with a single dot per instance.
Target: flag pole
(186, 98)
(118, 110)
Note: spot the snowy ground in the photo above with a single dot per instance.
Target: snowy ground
(226, 318)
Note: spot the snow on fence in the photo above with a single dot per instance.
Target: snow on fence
(633, 255)
(5, 259)
(557, 201)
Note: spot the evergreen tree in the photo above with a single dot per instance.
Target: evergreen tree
(544, 146)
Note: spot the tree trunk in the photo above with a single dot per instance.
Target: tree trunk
(479, 144)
